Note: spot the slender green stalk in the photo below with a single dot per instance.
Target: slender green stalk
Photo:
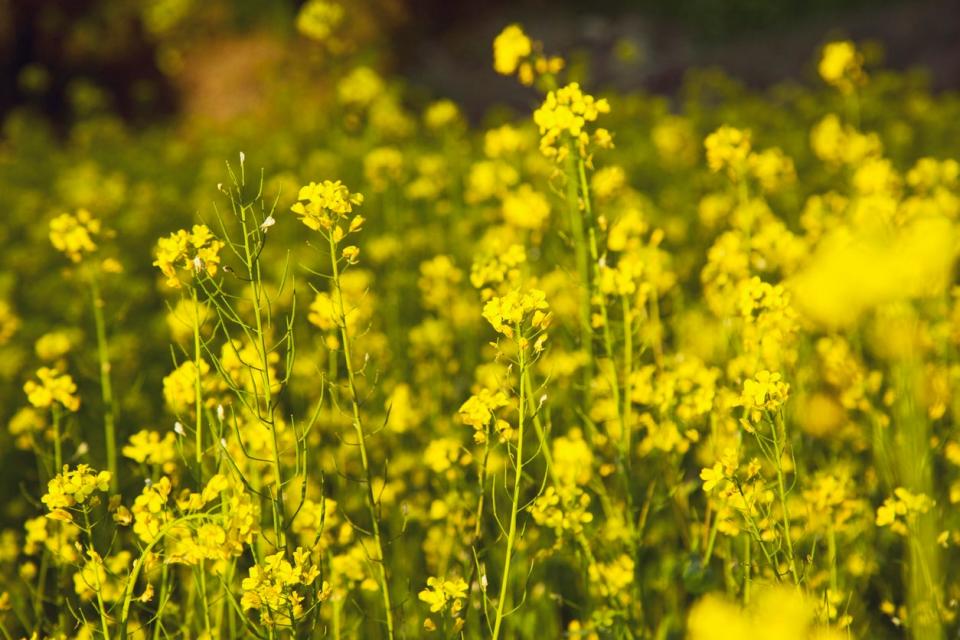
(106, 388)
(198, 390)
(361, 440)
(778, 449)
(583, 270)
(627, 370)
(515, 504)
(747, 544)
(158, 622)
(253, 270)
(101, 607)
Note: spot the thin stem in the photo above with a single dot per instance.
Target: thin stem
(361, 439)
(101, 608)
(747, 543)
(106, 388)
(198, 391)
(515, 505)
(583, 270)
(253, 270)
(778, 448)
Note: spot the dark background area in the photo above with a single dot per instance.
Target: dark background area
(443, 46)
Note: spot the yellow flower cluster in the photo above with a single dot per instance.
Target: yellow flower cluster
(71, 488)
(273, 587)
(442, 593)
(900, 510)
(841, 66)
(728, 149)
(515, 52)
(197, 251)
(764, 392)
(319, 19)
(777, 612)
(179, 387)
(74, 234)
(146, 446)
(323, 205)
(53, 387)
(563, 118)
(510, 312)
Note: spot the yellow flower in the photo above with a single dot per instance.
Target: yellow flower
(508, 312)
(319, 19)
(74, 234)
(727, 150)
(766, 391)
(360, 87)
(442, 592)
(526, 208)
(71, 488)
(382, 167)
(148, 447)
(441, 114)
(712, 476)
(196, 251)
(53, 387)
(563, 117)
(510, 47)
(841, 66)
(179, 387)
(323, 205)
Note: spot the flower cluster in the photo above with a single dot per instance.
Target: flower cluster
(321, 206)
(563, 119)
(445, 596)
(53, 387)
(515, 52)
(75, 234)
(71, 488)
(197, 251)
(275, 587)
(841, 65)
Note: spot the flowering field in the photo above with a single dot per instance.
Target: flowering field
(617, 366)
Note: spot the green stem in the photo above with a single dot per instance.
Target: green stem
(198, 390)
(778, 449)
(627, 370)
(253, 270)
(101, 608)
(361, 440)
(746, 570)
(515, 504)
(106, 388)
(583, 270)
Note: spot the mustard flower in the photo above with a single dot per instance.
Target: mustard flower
(319, 19)
(441, 593)
(510, 48)
(197, 251)
(841, 66)
(563, 117)
(71, 488)
(727, 150)
(322, 205)
(74, 234)
(54, 387)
